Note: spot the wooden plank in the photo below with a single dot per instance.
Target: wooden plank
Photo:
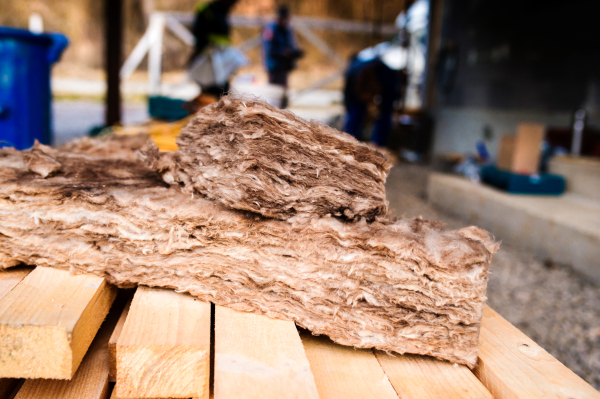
(91, 379)
(259, 357)
(164, 348)
(9, 278)
(513, 366)
(48, 321)
(112, 344)
(423, 377)
(114, 396)
(344, 372)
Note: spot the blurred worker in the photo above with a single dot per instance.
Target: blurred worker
(374, 77)
(280, 50)
(211, 28)
(368, 81)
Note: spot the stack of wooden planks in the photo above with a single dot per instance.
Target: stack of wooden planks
(161, 344)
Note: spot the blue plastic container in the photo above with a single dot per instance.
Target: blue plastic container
(166, 108)
(514, 183)
(25, 96)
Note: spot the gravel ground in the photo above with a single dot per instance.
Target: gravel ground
(551, 303)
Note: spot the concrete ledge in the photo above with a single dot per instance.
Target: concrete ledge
(565, 229)
(582, 174)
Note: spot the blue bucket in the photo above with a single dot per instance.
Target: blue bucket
(25, 96)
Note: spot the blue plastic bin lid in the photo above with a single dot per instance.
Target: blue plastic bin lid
(56, 42)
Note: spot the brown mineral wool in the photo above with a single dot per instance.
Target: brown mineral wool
(404, 286)
(112, 146)
(38, 162)
(252, 156)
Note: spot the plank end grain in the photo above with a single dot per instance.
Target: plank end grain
(48, 321)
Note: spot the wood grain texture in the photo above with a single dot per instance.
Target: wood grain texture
(91, 379)
(513, 366)
(342, 372)
(423, 377)
(48, 321)
(259, 357)
(114, 396)
(112, 344)
(164, 348)
(9, 278)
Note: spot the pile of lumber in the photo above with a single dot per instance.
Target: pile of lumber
(362, 279)
(162, 344)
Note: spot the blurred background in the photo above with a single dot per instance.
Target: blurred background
(490, 111)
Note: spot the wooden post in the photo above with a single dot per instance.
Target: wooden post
(157, 27)
(113, 33)
(436, 10)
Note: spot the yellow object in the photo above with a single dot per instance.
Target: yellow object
(164, 134)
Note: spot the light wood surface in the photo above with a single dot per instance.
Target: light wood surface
(9, 278)
(342, 372)
(112, 344)
(164, 347)
(259, 357)
(423, 377)
(48, 321)
(91, 379)
(114, 396)
(513, 366)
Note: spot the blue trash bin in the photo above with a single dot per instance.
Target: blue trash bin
(25, 96)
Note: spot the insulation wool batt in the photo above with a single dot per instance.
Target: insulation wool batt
(403, 286)
(252, 156)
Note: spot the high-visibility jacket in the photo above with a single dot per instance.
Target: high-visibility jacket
(211, 26)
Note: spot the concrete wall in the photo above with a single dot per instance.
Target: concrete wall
(458, 129)
(582, 175)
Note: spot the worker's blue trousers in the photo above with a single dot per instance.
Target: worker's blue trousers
(355, 116)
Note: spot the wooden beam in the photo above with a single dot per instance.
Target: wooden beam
(112, 344)
(180, 31)
(91, 379)
(423, 377)
(9, 278)
(259, 357)
(513, 366)
(434, 44)
(48, 321)
(156, 29)
(320, 44)
(164, 347)
(344, 372)
(331, 24)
